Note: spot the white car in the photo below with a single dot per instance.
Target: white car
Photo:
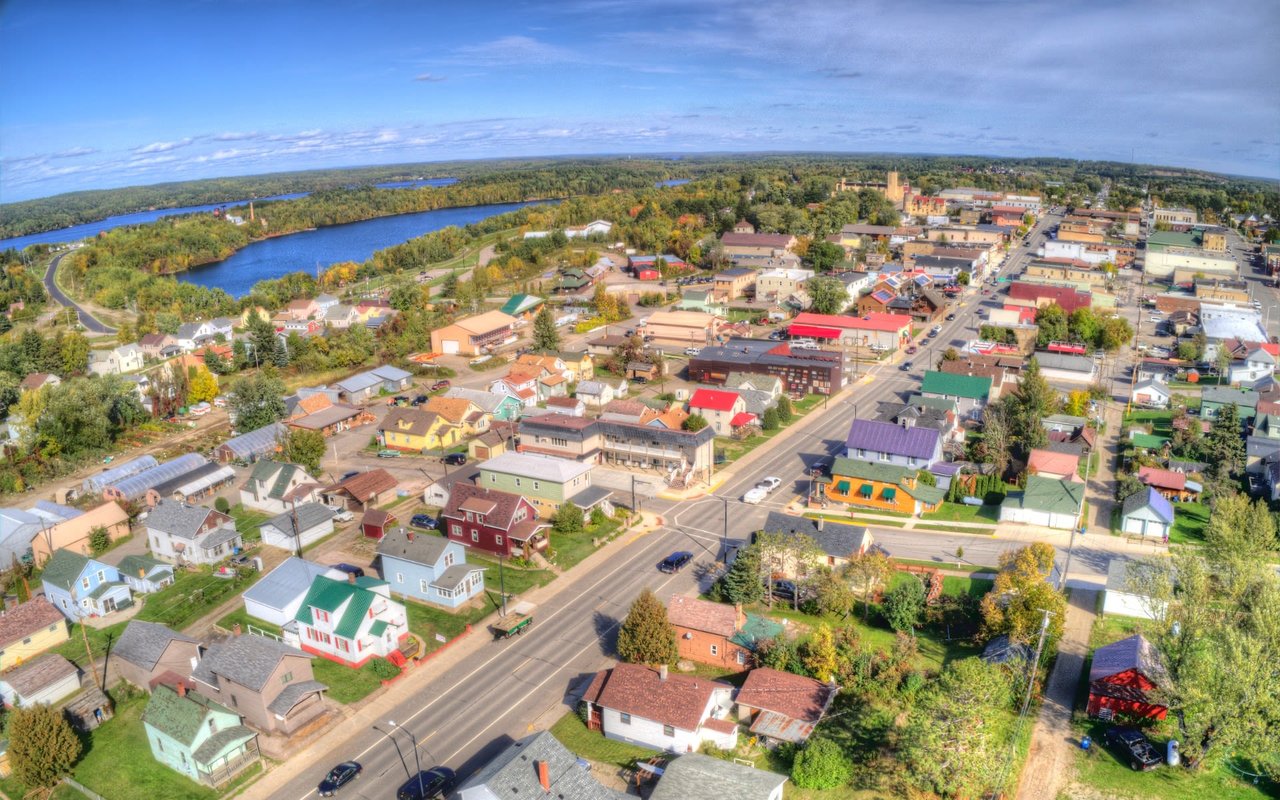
(692, 351)
(754, 496)
(769, 484)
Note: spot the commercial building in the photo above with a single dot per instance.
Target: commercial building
(474, 335)
(879, 332)
(801, 371)
(682, 328)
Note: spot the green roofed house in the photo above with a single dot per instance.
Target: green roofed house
(145, 574)
(191, 734)
(1147, 441)
(1047, 502)
(349, 621)
(523, 306)
(970, 392)
(880, 487)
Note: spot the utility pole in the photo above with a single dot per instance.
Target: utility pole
(1080, 524)
(724, 534)
(297, 533)
(502, 583)
(93, 664)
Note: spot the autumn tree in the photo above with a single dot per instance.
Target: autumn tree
(646, 635)
(818, 653)
(545, 335)
(1016, 603)
(42, 745)
(304, 448)
(833, 594)
(202, 386)
(866, 573)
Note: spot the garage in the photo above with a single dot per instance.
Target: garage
(449, 347)
(1046, 502)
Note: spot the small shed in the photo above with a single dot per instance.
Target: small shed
(642, 369)
(45, 679)
(1147, 513)
(376, 522)
(89, 709)
(1003, 650)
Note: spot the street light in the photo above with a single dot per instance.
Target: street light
(416, 762)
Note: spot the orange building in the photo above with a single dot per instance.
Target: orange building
(880, 487)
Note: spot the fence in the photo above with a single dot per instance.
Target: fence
(84, 790)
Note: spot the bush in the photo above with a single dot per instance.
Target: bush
(785, 411)
(770, 422)
(383, 669)
(222, 505)
(820, 765)
(99, 540)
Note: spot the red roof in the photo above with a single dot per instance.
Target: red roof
(871, 322)
(816, 331)
(713, 399)
(1069, 298)
(1163, 478)
(745, 418)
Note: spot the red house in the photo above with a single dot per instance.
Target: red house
(501, 523)
(1122, 676)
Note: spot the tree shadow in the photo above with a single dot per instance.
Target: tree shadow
(606, 628)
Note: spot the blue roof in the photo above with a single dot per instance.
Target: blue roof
(136, 486)
(256, 443)
(359, 382)
(1153, 500)
(102, 480)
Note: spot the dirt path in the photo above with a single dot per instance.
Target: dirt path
(1048, 765)
(1100, 488)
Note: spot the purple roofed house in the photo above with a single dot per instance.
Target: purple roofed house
(887, 443)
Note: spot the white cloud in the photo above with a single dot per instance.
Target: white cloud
(427, 77)
(164, 147)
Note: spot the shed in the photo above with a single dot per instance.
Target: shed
(1147, 513)
(89, 709)
(376, 522)
(46, 679)
(1045, 501)
(1122, 676)
(1122, 598)
(783, 706)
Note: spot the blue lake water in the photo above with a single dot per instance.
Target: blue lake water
(356, 241)
(672, 182)
(84, 231)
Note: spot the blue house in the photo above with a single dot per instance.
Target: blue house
(430, 568)
(145, 574)
(80, 586)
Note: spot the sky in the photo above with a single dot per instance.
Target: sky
(106, 94)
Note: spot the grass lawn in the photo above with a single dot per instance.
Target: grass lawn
(926, 526)
(952, 585)
(192, 595)
(947, 565)
(1189, 521)
(571, 548)
(591, 745)
(247, 522)
(346, 685)
(516, 579)
(242, 617)
(1112, 629)
(959, 512)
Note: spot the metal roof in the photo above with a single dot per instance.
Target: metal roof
(109, 477)
(257, 442)
(136, 486)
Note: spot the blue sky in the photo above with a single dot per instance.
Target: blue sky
(99, 94)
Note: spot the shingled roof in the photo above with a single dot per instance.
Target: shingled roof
(703, 615)
(638, 690)
(18, 623)
(143, 643)
(247, 660)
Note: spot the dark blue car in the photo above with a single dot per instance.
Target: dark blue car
(424, 521)
(427, 785)
(676, 561)
(338, 777)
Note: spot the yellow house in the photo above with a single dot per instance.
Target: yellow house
(580, 366)
(416, 430)
(461, 412)
(880, 487)
(28, 630)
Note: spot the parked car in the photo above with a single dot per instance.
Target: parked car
(427, 785)
(675, 562)
(342, 515)
(420, 399)
(777, 336)
(934, 331)
(241, 560)
(1133, 746)
(951, 316)
(755, 495)
(784, 590)
(692, 351)
(424, 521)
(769, 484)
(912, 350)
(350, 569)
(388, 454)
(350, 474)
(438, 385)
(338, 777)
(455, 459)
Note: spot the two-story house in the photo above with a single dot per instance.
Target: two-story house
(545, 481)
(503, 523)
(349, 621)
(649, 707)
(880, 487)
(838, 543)
(273, 487)
(428, 568)
(969, 392)
(460, 412)
(719, 408)
(80, 586)
(277, 596)
(414, 430)
(196, 736)
(498, 406)
(125, 358)
(267, 682)
(29, 629)
(146, 651)
(186, 534)
(887, 443)
(158, 345)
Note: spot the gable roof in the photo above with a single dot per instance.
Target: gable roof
(246, 659)
(499, 508)
(329, 595)
(703, 615)
(835, 538)
(137, 563)
(694, 776)
(972, 387)
(1134, 652)
(39, 673)
(180, 717)
(785, 693)
(885, 437)
(513, 773)
(143, 643)
(1049, 494)
(1055, 461)
(27, 618)
(713, 399)
(640, 691)
(179, 519)
(365, 485)
(886, 473)
(406, 545)
(1149, 499)
(413, 421)
(286, 582)
(558, 470)
(64, 568)
(309, 515)
(1163, 478)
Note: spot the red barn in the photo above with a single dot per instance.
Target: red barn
(1123, 675)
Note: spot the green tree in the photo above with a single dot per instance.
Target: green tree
(785, 410)
(818, 654)
(742, 583)
(694, 423)
(99, 540)
(1083, 326)
(1187, 351)
(964, 278)
(1030, 403)
(449, 287)
(904, 604)
(545, 335)
(821, 765)
(1052, 321)
(770, 422)
(1240, 529)
(828, 295)
(262, 338)
(1223, 444)
(926, 478)
(646, 636)
(866, 573)
(304, 448)
(1021, 594)
(833, 594)
(75, 354)
(216, 363)
(1116, 332)
(280, 353)
(823, 256)
(42, 745)
(257, 401)
(222, 505)
(568, 519)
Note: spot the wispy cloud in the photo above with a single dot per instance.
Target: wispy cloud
(427, 77)
(514, 51)
(74, 152)
(164, 147)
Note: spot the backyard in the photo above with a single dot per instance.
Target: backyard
(1189, 521)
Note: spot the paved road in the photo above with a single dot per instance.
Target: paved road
(51, 286)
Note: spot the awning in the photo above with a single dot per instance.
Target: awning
(842, 487)
(865, 490)
(744, 418)
(889, 493)
(818, 331)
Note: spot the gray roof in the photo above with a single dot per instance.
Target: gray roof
(1224, 395)
(416, 548)
(513, 773)
(257, 442)
(698, 777)
(247, 659)
(1118, 572)
(135, 486)
(454, 575)
(591, 496)
(309, 515)
(215, 743)
(219, 536)
(293, 694)
(1134, 652)
(143, 643)
(170, 486)
(487, 401)
(885, 437)
(358, 383)
(177, 519)
(285, 583)
(39, 673)
(1067, 362)
(547, 468)
(389, 373)
(835, 538)
(1002, 650)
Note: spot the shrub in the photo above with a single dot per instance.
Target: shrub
(383, 669)
(222, 505)
(820, 765)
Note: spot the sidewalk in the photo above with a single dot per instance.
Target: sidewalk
(377, 707)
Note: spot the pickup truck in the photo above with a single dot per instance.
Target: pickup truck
(1132, 746)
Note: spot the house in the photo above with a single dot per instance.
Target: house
(682, 328)
(544, 481)
(1151, 394)
(73, 533)
(341, 316)
(780, 284)
(705, 632)
(45, 679)
(970, 392)
(1172, 485)
(536, 767)
(704, 300)
(267, 682)
(458, 411)
(186, 534)
(251, 446)
(364, 489)
(881, 487)
(277, 596)
(29, 629)
(472, 336)
(428, 568)
(19, 526)
(652, 708)
(125, 358)
(887, 443)
(695, 776)
(1045, 501)
(718, 408)
(1123, 675)
(1054, 464)
(275, 486)
(193, 735)
(840, 543)
(298, 527)
(1064, 368)
(349, 621)
(498, 407)
(735, 282)
(572, 406)
(146, 651)
(802, 371)
(375, 523)
(499, 522)
(415, 430)
(81, 587)
(1214, 398)
(154, 345)
(1122, 597)
(781, 706)
(144, 574)
(1257, 365)
(38, 380)
(1147, 514)
(629, 434)
(334, 418)
(756, 248)
(487, 445)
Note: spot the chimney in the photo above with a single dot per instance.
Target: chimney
(662, 672)
(544, 776)
(351, 577)
(181, 689)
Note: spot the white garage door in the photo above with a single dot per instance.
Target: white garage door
(450, 347)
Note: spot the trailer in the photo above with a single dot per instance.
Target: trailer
(514, 622)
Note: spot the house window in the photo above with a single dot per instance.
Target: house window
(456, 528)
(84, 583)
(285, 678)
(399, 577)
(537, 485)
(741, 657)
(517, 481)
(448, 559)
(342, 644)
(423, 586)
(446, 593)
(715, 649)
(64, 605)
(625, 718)
(52, 627)
(497, 540)
(885, 456)
(475, 536)
(862, 453)
(27, 640)
(102, 576)
(323, 616)
(911, 462)
(213, 725)
(668, 730)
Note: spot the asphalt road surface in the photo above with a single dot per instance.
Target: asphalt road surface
(90, 322)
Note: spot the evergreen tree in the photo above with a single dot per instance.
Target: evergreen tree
(646, 636)
(770, 422)
(545, 335)
(449, 288)
(1223, 444)
(785, 411)
(42, 745)
(742, 583)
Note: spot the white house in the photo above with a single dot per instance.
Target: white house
(45, 679)
(274, 487)
(649, 707)
(596, 394)
(276, 597)
(1062, 368)
(1121, 597)
(185, 534)
(1147, 514)
(1151, 394)
(598, 227)
(125, 358)
(1255, 366)
(298, 527)
(349, 621)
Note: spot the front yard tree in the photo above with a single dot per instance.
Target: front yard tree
(866, 574)
(834, 594)
(646, 636)
(821, 765)
(545, 335)
(770, 422)
(694, 423)
(785, 411)
(304, 448)
(99, 540)
(42, 745)
(1016, 603)
(742, 584)
(904, 604)
(828, 295)
(568, 519)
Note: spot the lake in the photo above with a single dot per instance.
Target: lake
(355, 241)
(88, 229)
